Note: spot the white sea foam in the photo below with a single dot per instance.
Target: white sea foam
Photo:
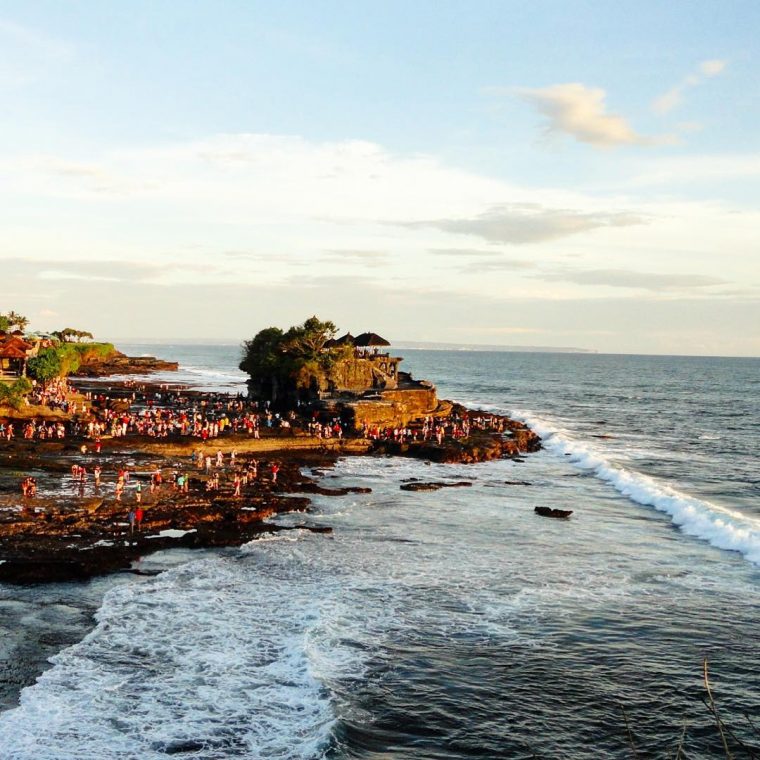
(722, 527)
(172, 533)
(190, 660)
(234, 375)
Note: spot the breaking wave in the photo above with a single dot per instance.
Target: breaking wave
(722, 527)
(184, 663)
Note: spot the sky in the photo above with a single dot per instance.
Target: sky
(568, 174)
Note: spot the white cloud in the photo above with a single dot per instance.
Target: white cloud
(674, 96)
(581, 112)
(260, 213)
(624, 278)
(712, 68)
(519, 224)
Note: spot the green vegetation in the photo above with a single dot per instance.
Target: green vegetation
(65, 358)
(45, 366)
(13, 321)
(295, 362)
(13, 394)
(69, 334)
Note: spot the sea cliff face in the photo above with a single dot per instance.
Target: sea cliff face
(121, 364)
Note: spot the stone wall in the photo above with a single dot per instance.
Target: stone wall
(358, 374)
(394, 407)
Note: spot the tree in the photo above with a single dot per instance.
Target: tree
(263, 354)
(67, 334)
(13, 319)
(308, 340)
(293, 363)
(46, 365)
(13, 394)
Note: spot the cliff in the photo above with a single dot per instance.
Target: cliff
(121, 364)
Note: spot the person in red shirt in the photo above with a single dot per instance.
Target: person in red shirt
(139, 514)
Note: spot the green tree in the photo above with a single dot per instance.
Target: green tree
(308, 340)
(291, 363)
(13, 320)
(13, 394)
(264, 353)
(46, 365)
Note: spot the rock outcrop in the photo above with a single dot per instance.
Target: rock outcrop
(121, 364)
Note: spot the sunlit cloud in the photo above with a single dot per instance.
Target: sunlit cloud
(675, 95)
(581, 112)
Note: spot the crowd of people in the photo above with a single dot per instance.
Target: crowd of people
(435, 429)
(138, 411)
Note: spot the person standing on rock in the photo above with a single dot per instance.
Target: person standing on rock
(275, 469)
(96, 475)
(138, 493)
(139, 514)
(131, 517)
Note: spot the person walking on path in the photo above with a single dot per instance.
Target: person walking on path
(138, 493)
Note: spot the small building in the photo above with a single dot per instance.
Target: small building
(15, 352)
(368, 369)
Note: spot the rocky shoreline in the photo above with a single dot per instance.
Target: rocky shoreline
(73, 529)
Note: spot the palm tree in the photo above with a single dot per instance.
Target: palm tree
(17, 320)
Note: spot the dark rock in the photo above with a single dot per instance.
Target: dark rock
(432, 486)
(549, 512)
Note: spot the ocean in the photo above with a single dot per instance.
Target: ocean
(447, 624)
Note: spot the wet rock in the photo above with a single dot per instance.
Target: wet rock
(433, 486)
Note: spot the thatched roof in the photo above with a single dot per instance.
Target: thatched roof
(367, 339)
(13, 347)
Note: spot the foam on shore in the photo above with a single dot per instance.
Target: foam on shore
(182, 663)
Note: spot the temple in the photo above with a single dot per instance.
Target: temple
(368, 368)
(368, 386)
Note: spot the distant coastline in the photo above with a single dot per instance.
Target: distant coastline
(489, 347)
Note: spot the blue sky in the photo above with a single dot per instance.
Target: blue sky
(550, 173)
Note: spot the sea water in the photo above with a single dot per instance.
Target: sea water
(447, 624)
